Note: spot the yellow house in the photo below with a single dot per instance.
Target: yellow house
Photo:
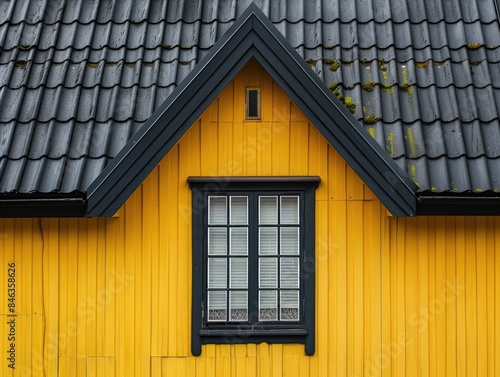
(251, 227)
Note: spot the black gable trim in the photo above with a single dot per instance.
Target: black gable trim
(251, 36)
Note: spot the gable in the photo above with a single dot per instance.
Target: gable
(253, 36)
(222, 145)
(284, 143)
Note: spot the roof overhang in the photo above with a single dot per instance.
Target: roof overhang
(251, 36)
(18, 205)
(458, 204)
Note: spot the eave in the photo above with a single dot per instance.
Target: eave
(23, 205)
(458, 204)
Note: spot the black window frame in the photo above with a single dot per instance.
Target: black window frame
(303, 331)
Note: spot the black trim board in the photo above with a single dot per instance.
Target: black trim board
(21, 205)
(251, 36)
(458, 205)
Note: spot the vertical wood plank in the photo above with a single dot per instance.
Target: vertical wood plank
(388, 232)
(426, 314)
(355, 271)
(156, 366)
(439, 329)
(281, 132)
(299, 143)
(496, 302)
(398, 300)
(322, 268)
(481, 296)
(452, 298)
(51, 302)
(337, 183)
(471, 319)
(149, 248)
(372, 282)
(338, 250)
(461, 322)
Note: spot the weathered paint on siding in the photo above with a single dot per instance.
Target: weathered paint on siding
(111, 297)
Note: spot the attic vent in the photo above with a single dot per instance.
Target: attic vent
(252, 100)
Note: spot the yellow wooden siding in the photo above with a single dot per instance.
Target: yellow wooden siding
(112, 297)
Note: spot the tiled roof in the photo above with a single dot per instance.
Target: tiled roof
(78, 78)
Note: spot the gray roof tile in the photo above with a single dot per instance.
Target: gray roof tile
(424, 75)
(11, 173)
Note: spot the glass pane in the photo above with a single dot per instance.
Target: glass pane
(217, 241)
(289, 210)
(289, 273)
(217, 306)
(238, 241)
(217, 275)
(289, 241)
(217, 211)
(268, 272)
(238, 272)
(238, 305)
(268, 306)
(268, 241)
(268, 210)
(289, 303)
(239, 209)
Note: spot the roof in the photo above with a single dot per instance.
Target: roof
(423, 76)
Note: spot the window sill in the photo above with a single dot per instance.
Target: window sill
(255, 336)
(253, 332)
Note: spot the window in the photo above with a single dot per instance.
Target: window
(253, 260)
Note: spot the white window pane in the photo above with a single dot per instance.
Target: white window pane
(217, 241)
(238, 241)
(217, 306)
(268, 306)
(239, 210)
(268, 241)
(289, 210)
(289, 271)
(217, 272)
(238, 274)
(268, 272)
(217, 210)
(238, 305)
(289, 304)
(289, 241)
(268, 210)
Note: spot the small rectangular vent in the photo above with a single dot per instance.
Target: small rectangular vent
(253, 103)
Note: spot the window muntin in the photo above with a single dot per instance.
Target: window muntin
(279, 263)
(278, 284)
(227, 272)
